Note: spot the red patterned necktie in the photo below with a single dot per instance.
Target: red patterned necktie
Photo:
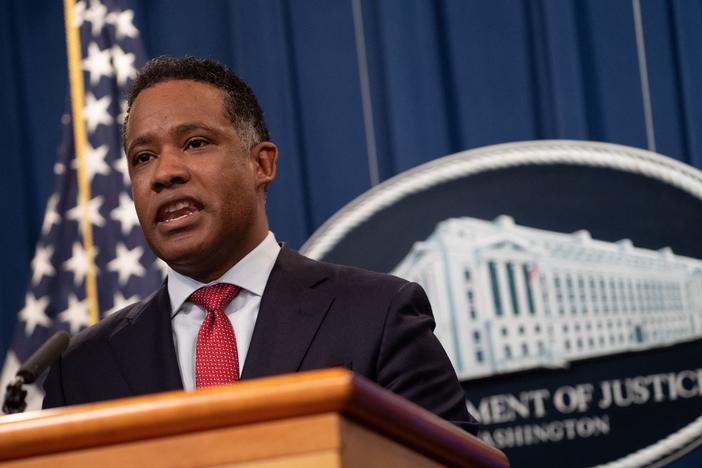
(217, 360)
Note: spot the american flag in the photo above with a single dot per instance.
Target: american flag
(124, 270)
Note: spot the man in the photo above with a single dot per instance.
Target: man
(236, 304)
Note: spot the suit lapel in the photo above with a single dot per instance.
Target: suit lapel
(290, 314)
(143, 346)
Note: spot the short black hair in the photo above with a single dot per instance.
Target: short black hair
(240, 103)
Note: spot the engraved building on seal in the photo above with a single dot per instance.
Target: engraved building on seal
(509, 297)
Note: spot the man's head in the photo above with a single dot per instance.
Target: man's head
(199, 162)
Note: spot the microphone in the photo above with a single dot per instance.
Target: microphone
(32, 369)
(43, 357)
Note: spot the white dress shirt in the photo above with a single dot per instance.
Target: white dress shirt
(251, 275)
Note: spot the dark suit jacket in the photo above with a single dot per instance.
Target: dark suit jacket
(312, 315)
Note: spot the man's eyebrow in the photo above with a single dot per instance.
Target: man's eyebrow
(176, 131)
(140, 140)
(190, 126)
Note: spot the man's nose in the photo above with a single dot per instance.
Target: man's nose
(170, 170)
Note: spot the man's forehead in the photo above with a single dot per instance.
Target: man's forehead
(179, 88)
(178, 102)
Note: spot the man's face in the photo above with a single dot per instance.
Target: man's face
(198, 192)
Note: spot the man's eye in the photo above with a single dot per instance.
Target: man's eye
(141, 158)
(197, 143)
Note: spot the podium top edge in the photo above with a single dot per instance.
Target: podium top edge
(245, 402)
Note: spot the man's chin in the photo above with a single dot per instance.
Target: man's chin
(182, 257)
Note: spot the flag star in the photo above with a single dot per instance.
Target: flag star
(33, 313)
(59, 168)
(125, 214)
(124, 23)
(97, 63)
(96, 16)
(51, 216)
(123, 106)
(119, 302)
(95, 111)
(76, 213)
(41, 264)
(76, 314)
(78, 14)
(121, 165)
(126, 263)
(78, 263)
(95, 161)
(124, 65)
(161, 266)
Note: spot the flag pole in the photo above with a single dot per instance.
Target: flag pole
(80, 138)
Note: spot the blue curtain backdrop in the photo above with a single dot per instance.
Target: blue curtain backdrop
(356, 91)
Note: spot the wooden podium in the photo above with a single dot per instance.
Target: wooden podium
(324, 418)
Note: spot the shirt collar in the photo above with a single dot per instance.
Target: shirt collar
(250, 273)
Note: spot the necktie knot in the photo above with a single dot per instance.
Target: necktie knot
(216, 297)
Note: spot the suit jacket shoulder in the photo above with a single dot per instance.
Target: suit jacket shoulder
(128, 353)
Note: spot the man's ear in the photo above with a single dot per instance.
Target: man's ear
(265, 156)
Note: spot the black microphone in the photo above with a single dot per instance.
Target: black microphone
(43, 357)
(32, 369)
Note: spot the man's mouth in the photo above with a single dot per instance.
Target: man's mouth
(177, 210)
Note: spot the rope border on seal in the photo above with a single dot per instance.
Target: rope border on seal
(490, 158)
(507, 155)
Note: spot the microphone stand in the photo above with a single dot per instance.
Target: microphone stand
(15, 396)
